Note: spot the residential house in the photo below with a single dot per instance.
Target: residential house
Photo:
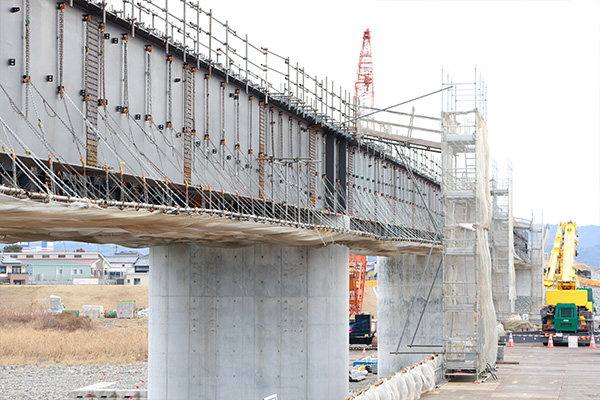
(61, 266)
(140, 276)
(122, 263)
(12, 271)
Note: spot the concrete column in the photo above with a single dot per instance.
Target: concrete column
(523, 304)
(397, 283)
(248, 322)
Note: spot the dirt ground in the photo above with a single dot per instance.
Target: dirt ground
(370, 301)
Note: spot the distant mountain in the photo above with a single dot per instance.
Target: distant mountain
(589, 244)
(104, 249)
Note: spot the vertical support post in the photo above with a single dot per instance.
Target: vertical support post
(342, 174)
(297, 81)
(14, 168)
(246, 62)
(266, 70)
(167, 26)
(288, 89)
(210, 42)
(227, 51)
(330, 171)
(197, 41)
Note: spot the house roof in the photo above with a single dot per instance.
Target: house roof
(8, 260)
(119, 259)
(60, 262)
(143, 261)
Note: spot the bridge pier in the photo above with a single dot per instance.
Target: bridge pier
(524, 295)
(397, 283)
(248, 322)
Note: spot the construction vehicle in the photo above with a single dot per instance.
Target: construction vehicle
(569, 310)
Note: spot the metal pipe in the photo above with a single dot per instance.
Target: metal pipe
(167, 26)
(184, 32)
(210, 18)
(197, 41)
(399, 104)
(227, 51)
(246, 59)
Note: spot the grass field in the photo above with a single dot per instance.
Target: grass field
(27, 336)
(31, 298)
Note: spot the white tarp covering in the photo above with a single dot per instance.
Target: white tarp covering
(408, 384)
(24, 219)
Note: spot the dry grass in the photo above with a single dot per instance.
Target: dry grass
(25, 345)
(43, 321)
(28, 336)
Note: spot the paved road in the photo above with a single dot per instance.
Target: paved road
(541, 373)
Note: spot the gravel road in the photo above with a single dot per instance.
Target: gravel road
(53, 382)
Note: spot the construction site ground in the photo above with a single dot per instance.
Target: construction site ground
(370, 379)
(533, 371)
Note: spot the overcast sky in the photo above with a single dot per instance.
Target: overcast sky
(539, 59)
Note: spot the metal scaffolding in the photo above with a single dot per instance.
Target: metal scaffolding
(502, 245)
(537, 268)
(469, 318)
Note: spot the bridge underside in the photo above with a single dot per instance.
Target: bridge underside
(24, 219)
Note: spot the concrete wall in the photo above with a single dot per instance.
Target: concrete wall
(249, 322)
(397, 283)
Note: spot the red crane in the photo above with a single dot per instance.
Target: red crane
(358, 275)
(364, 77)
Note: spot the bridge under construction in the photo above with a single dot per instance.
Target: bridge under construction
(252, 181)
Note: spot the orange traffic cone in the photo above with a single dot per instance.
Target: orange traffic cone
(364, 351)
(592, 342)
(550, 342)
(511, 343)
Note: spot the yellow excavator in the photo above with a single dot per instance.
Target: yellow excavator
(569, 310)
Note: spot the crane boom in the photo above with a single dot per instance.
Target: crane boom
(562, 258)
(568, 280)
(554, 255)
